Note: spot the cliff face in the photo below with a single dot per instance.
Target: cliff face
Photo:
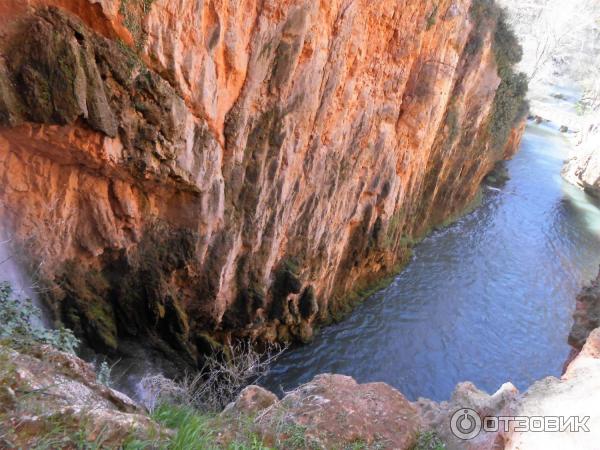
(190, 168)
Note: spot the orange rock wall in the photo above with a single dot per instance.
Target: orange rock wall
(312, 140)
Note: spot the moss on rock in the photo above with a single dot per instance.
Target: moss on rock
(86, 307)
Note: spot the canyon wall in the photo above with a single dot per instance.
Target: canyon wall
(178, 171)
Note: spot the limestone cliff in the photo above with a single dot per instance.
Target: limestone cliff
(184, 170)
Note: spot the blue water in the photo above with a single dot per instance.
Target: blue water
(488, 299)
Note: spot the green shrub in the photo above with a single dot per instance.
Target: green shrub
(21, 324)
(197, 430)
(429, 440)
(432, 18)
(507, 49)
(510, 104)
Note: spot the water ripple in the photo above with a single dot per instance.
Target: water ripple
(488, 299)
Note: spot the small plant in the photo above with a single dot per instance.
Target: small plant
(103, 375)
(192, 429)
(357, 445)
(429, 440)
(296, 437)
(196, 430)
(432, 18)
(133, 12)
(218, 382)
(21, 324)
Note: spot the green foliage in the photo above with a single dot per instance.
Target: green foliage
(483, 10)
(429, 440)
(21, 325)
(133, 12)
(196, 430)
(432, 18)
(510, 105)
(296, 437)
(104, 374)
(191, 428)
(507, 49)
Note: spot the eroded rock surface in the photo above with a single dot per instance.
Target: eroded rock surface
(587, 314)
(184, 170)
(575, 394)
(47, 396)
(334, 411)
(583, 168)
(42, 391)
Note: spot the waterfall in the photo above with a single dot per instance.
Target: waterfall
(10, 271)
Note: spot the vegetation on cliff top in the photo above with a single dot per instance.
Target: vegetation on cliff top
(510, 105)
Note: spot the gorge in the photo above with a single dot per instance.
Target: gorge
(250, 170)
(354, 179)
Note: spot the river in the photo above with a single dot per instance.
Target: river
(488, 299)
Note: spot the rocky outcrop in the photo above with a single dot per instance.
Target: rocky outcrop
(583, 168)
(334, 411)
(185, 170)
(47, 397)
(586, 317)
(575, 394)
(437, 417)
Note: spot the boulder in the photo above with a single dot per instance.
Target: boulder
(334, 411)
(43, 390)
(251, 400)
(437, 417)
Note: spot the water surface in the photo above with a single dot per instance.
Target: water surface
(488, 299)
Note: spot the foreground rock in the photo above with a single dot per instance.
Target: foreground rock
(437, 416)
(334, 411)
(48, 397)
(575, 394)
(587, 314)
(583, 168)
